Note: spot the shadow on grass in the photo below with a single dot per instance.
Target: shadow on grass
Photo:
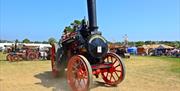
(2, 60)
(47, 80)
(60, 84)
(101, 84)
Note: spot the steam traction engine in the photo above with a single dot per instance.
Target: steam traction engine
(84, 52)
(23, 53)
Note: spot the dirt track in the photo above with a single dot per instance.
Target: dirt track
(142, 74)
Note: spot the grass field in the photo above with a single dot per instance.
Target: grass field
(143, 73)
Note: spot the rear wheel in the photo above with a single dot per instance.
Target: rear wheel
(116, 73)
(32, 56)
(79, 73)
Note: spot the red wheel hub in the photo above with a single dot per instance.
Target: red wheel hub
(81, 74)
(111, 70)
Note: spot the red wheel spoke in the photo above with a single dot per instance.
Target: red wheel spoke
(75, 64)
(81, 64)
(75, 82)
(79, 82)
(111, 77)
(114, 77)
(84, 81)
(107, 74)
(75, 69)
(107, 59)
(112, 59)
(118, 70)
(78, 64)
(116, 74)
(115, 61)
(117, 65)
(85, 77)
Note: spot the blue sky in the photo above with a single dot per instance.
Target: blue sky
(139, 19)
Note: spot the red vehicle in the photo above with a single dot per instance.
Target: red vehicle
(84, 52)
(32, 52)
(24, 53)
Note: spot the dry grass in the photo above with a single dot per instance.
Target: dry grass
(142, 74)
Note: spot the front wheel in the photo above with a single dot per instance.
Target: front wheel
(15, 58)
(79, 73)
(116, 73)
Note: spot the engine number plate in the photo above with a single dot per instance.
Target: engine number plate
(99, 49)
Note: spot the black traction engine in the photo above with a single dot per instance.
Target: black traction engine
(84, 52)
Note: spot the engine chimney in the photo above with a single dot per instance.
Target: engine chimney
(91, 5)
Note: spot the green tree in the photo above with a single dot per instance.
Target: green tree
(51, 40)
(26, 40)
(37, 42)
(148, 42)
(177, 43)
(139, 43)
(16, 41)
(131, 43)
(45, 42)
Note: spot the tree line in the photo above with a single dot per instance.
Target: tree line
(26, 40)
(175, 44)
